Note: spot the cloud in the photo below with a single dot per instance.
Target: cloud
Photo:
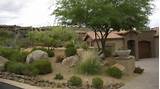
(154, 18)
(38, 12)
(26, 12)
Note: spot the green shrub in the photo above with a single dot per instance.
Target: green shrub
(20, 68)
(43, 66)
(19, 56)
(58, 76)
(97, 83)
(13, 54)
(84, 45)
(49, 51)
(70, 51)
(114, 72)
(75, 81)
(31, 71)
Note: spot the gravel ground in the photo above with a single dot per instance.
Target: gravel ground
(149, 79)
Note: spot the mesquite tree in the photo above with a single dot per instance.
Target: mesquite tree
(103, 15)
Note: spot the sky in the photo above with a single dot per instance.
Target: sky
(37, 13)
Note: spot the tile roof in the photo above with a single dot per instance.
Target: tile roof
(112, 35)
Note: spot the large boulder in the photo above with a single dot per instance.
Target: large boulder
(119, 66)
(129, 65)
(36, 55)
(70, 61)
(2, 62)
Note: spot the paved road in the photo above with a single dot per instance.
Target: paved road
(7, 86)
(149, 79)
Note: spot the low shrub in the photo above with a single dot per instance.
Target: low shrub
(84, 46)
(49, 51)
(114, 72)
(138, 70)
(75, 81)
(58, 76)
(97, 83)
(13, 54)
(43, 66)
(70, 51)
(19, 56)
(20, 68)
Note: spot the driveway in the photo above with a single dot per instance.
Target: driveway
(149, 79)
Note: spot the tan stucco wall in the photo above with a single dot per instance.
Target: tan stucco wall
(156, 46)
(116, 43)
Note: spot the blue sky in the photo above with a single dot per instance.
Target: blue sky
(37, 13)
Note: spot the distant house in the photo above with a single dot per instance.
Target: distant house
(143, 44)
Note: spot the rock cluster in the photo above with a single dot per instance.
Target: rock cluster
(36, 81)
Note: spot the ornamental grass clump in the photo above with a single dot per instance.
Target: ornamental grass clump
(90, 64)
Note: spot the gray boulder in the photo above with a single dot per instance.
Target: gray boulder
(70, 61)
(36, 55)
(2, 62)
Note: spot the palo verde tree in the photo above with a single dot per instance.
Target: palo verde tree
(104, 16)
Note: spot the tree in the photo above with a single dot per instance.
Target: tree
(53, 38)
(104, 16)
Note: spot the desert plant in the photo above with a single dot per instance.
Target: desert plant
(58, 76)
(75, 81)
(84, 45)
(97, 83)
(13, 54)
(138, 70)
(43, 66)
(114, 72)
(90, 64)
(20, 68)
(70, 51)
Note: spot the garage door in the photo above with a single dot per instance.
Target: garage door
(144, 49)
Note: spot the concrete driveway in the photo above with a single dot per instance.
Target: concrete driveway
(149, 79)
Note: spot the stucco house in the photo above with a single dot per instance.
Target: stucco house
(143, 44)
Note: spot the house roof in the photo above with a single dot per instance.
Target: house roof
(112, 35)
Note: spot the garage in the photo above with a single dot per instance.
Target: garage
(144, 49)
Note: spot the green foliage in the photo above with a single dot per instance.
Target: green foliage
(13, 54)
(89, 65)
(6, 38)
(58, 76)
(105, 13)
(114, 72)
(70, 51)
(97, 83)
(43, 66)
(49, 51)
(84, 45)
(37, 67)
(20, 68)
(75, 81)
(138, 70)
(56, 37)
